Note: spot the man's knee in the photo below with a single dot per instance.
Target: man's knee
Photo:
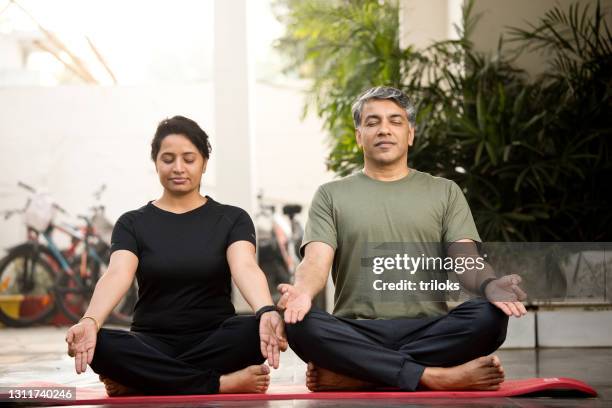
(490, 322)
(309, 330)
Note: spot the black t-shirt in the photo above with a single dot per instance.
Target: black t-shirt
(184, 280)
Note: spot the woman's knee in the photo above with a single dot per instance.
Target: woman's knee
(103, 351)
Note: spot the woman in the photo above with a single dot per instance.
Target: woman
(184, 249)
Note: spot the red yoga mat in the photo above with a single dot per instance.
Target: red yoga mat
(509, 388)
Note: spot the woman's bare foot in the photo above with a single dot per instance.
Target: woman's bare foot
(114, 389)
(322, 379)
(255, 378)
(483, 373)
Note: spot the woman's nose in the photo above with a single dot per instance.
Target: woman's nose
(178, 166)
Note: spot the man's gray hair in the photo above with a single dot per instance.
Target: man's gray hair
(384, 92)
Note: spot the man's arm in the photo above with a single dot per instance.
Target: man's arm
(472, 278)
(503, 292)
(310, 278)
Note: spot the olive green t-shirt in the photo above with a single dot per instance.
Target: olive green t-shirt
(357, 214)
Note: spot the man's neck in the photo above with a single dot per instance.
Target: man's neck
(390, 173)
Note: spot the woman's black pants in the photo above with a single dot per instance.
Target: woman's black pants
(177, 363)
(396, 352)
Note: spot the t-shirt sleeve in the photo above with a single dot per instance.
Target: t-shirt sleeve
(320, 226)
(124, 235)
(458, 221)
(242, 229)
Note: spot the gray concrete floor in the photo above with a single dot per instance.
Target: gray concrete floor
(38, 354)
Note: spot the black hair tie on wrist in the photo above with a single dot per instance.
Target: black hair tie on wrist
(484, 284)
(265, 309)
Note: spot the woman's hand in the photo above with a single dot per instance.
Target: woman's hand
(272, 337)
(81, 339)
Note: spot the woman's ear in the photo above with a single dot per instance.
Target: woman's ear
(204, 166)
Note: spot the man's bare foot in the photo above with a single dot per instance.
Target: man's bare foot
(255, 378)
(322, 379)
(483, 373)
(114, 389)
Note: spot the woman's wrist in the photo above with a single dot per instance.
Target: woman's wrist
(90, 319)
(265, 309)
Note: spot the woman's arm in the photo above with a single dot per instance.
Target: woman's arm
(247, 275)
(111, 287)
(252, 283)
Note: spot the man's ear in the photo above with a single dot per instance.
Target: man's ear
(358, 138)
(411, 135)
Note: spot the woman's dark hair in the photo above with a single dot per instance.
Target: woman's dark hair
(180, 125)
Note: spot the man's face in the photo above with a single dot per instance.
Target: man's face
(384, 132)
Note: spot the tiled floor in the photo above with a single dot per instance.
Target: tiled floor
(38, 354)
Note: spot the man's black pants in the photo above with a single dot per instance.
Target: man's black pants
(396, 352)
(178, 363)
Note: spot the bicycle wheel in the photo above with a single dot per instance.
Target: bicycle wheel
(73, 292)
(27, 281)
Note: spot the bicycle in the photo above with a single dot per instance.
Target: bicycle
(74, 290)
(26, 275)
(73, 272)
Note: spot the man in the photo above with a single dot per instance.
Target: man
(411, 341)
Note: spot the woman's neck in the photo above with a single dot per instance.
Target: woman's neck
(180, 203)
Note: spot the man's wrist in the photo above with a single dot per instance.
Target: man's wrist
(484, 284)
(305, 290)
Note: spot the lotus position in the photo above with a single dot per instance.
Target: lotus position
(184, 249)
(379, 336)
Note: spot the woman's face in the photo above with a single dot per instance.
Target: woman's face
(179, 164)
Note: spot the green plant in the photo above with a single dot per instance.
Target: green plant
(531, 154)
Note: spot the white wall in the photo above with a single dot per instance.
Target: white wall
(71, 139)
(290, 153)
(498, 15)
(424, 21)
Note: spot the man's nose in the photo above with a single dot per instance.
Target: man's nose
(383, 130)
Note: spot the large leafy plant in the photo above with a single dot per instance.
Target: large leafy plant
(531, 154)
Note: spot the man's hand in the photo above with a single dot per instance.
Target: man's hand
(81, 339)
(507, 295)
(272, 337)
(294, 302)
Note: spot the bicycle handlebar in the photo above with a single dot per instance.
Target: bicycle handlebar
(33, 191)
(60, 209)
(27, 187)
